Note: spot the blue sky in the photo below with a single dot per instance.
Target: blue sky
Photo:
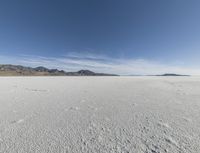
(117, 36)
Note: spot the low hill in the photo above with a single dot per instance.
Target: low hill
(171, 74)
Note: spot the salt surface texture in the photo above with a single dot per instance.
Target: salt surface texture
(100, 114)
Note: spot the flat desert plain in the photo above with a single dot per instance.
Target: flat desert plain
(100, 115)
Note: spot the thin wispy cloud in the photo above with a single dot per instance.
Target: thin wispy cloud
(99, 63)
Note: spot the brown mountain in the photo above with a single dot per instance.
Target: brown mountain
(18, 70)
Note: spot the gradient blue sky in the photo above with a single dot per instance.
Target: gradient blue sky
(118, 36)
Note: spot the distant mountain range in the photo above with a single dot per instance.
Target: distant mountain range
(172, 74)
(18, 70)
(166, 74)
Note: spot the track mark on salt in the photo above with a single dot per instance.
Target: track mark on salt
(20, 121)
(36, 90)
(187, 119)
(165, 125)
(14, 111)
(93, 108)
(83, 101)
(171, 141)
(134, 104)
(17, 121)
(72, 109)
(107, 119)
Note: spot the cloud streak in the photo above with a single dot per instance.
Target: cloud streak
(100, 63)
